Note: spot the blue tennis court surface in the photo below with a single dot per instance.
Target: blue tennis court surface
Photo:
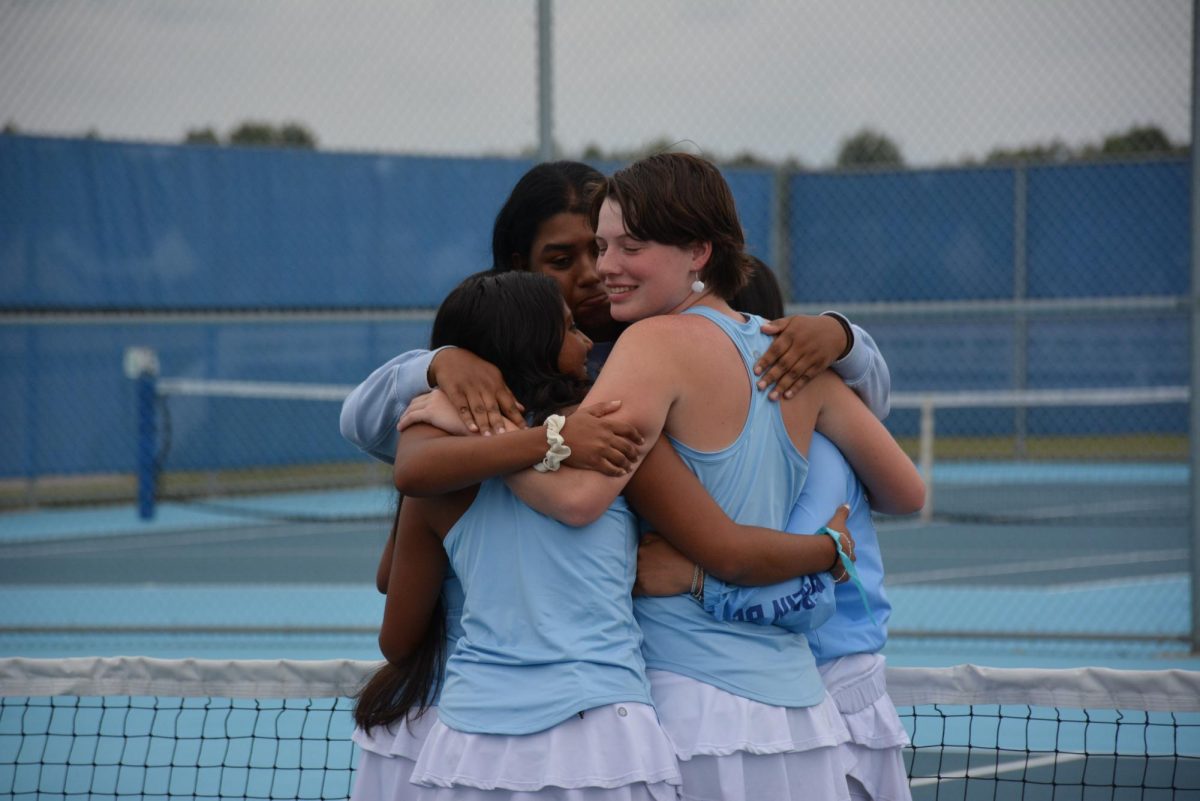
(291, 574)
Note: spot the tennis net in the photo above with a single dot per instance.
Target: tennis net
(134, 727)
(1044, 456)
(246, 447)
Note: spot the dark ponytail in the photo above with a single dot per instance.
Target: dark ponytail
(515, 321)
(396, 689)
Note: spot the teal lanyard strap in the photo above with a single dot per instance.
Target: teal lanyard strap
(848, 566)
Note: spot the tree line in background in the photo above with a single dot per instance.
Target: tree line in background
(871, 148)
(865, 148)
(256, 134)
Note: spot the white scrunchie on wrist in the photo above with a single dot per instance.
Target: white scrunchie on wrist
(558, 450)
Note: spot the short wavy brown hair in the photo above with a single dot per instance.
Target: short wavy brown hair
(679, 199)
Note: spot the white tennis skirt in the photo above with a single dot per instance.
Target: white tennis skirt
(733, 749)
(858, 684)
(388, 756)
(617, 752)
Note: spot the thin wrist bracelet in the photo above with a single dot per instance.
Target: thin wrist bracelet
(697, 592)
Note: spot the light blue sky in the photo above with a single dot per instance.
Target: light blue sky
(943, 78)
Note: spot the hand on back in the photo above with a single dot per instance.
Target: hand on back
(804, 347)
(476, 391)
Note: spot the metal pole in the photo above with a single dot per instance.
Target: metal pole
(1194, 404)
(925, 456)
(545, 83)
(1020, 291)
(781, 233)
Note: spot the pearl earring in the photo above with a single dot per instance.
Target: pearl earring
(697, 286)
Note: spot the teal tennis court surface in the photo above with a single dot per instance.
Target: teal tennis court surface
(1093, 574)
(1022, 567)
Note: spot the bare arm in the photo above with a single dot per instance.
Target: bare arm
(414, 583)
(430, 463)
(892, 481)
(670, 497)
(383, 571)
(646, 369)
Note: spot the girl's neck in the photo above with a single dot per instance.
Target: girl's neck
(709, 300)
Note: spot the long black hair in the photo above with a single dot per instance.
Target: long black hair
(397, 688)
(761, 295)
(515, 321)
(547, 189)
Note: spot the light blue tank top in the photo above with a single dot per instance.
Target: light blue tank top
(547, 619)
(756, 480)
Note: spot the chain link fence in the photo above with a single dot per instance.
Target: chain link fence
(997, 191)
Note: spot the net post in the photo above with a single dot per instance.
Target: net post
(141, 365)
(925, 456)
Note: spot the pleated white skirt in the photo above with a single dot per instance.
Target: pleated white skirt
(387, 757)
(733, 749)
(858, 684)
(617, 752)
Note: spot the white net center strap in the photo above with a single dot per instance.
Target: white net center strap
(1079, 688)
(1082, 688)
(222, 678)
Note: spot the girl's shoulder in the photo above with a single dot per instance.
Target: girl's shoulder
(667, 329)
(440, 512)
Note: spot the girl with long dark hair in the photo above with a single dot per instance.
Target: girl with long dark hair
(545, 690)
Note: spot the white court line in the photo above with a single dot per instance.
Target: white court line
(1170, 504)
(213, 536)
(1124, 581)
(1038, 566)
(993, 770)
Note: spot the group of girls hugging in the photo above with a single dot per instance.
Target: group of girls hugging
(594, 585)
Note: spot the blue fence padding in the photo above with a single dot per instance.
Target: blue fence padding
(754, 194)
(1099, 351)
(913, 235)
(1102, 230)
(1063, 354)
(90, 224)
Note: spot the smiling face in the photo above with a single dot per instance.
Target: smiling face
(565, 250)
(644, 279)
(572, 357)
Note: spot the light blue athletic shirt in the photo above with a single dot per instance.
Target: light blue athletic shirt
(452, 603)
(756, 480)
(850, 629)
(547, 622)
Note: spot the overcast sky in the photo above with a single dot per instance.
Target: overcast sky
(944, 79)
